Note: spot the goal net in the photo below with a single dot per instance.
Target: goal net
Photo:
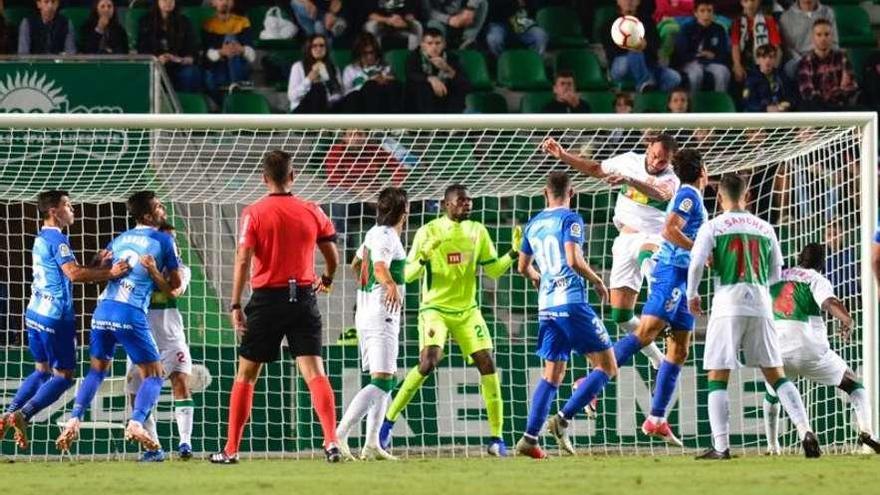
(813, 176)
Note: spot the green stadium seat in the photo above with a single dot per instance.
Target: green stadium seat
(77, 17)
(192, 103)
(474, 65)
(341, 57)
(600, 17)
(563, 25)
(14, 15)
(132, 22)
(246, 102)
(486, 102)
(522, 70)
(712, 102)
(197, 16)
(858, 57)
(588, 73)
(535, 102)
(397, 60)
(599, 101)
(841, 2)
(276, 66)
(854, 26)
(650, 102)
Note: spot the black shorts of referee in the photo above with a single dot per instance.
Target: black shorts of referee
(271, 315)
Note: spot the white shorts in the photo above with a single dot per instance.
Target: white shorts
(754, 335)
(166, 325)
(827, 369)
(379, 348)
(625, 269)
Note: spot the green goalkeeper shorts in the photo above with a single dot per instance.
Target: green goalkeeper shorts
(467, 328)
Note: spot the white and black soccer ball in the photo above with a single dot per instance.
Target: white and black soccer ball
(627, 31)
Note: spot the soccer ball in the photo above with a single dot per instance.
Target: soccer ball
(627, 31)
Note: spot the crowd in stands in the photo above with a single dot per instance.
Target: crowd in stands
(766, 55)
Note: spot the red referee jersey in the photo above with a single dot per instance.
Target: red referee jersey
(284, 231)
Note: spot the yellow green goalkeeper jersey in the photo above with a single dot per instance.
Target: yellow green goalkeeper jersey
(450, 275)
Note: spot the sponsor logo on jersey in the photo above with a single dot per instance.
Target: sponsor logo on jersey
(576, 230)
(686, 205)
(453, 258)
(64, 249)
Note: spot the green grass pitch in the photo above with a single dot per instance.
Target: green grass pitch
(583, 475)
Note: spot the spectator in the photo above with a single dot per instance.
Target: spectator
(435, 81)
(6, 32)
(702, 47)
(766, 90)
(368, 82)
(641, 63)
(797, 31)
(751, 30)
(47, 32)
(320, 17)
(825, 76)
(228, 41)
(623, 103)
(457, 20)
(670, 16)
(314, 85)
(510, 19)
(565, 95)
(358, 165)
(678, 101)
(102, 33)
(168, 35)
(395, 18)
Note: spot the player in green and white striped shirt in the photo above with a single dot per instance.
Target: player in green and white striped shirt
(799, 299)
(746, 260)
(379, 265)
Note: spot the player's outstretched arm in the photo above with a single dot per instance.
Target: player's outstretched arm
(672, 232)
(581, 164)
(699, 256)
(837, 309)
(493, 265)
(84, 274)
(574, 255)
(657, 190)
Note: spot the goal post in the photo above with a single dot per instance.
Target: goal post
(813, 176)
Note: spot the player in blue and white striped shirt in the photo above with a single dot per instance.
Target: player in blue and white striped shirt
(50, 317)
(553, 238)
(121, 317)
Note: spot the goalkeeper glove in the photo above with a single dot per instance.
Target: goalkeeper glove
(516, 240)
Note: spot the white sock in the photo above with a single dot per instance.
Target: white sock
(771, 424)
(719, 419)
(791, 401)
(375, 417)
(150, 425)
(653, 353)
(859, 400)
(629, 326)
(358, 408)
(184, 416)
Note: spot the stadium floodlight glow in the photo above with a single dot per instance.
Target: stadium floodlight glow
(807, 171)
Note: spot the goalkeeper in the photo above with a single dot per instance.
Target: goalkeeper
(446, 254)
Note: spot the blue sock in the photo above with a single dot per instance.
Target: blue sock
(626, 348)
(542, 397)
(146, 398)
(667, 377)
(27, 389)
(46, 396)
(87, 391)
(592, 385)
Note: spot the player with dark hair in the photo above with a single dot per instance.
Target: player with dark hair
(279, 234)
(799, 298)
(553, 239)
(166, 326)
(746, 261)
(49, 317)
(378, 266)
(449, 251)
(666, 305)
(121, 317)
(647, 185)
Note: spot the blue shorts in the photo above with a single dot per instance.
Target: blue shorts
(52, 341)
(118, 322)
(575, 327)
(668, 300)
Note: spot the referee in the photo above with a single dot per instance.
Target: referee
(279, 233)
